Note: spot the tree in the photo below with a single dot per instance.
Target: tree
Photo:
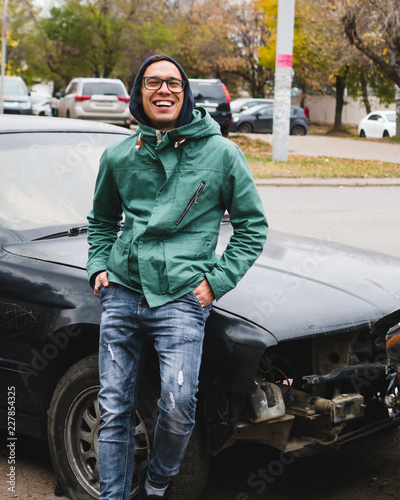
(251, 34)
(374, 29)
(19, 52)
(82, 40)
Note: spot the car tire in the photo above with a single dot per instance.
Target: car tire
(385, 133)
(73, 422)
(362, 133)
(298, 130)
(245, 128)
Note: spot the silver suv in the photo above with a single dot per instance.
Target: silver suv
(102, 99)
(16, 99)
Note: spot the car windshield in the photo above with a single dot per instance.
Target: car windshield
(47, 179)
(103, 88)
(35, 98)
(207, 91)
(14, 87)
(238, 103)
(254, 109)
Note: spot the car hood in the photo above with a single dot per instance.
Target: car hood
(298, 287)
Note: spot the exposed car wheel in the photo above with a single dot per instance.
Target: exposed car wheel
(245, 128)
(73, 423)
(362, 133)
(298, 130)
(68, 115)
(385, 133)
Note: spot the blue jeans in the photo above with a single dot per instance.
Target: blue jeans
(177, 330)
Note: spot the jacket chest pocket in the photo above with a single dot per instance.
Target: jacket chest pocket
(193, 201)
(186, 260)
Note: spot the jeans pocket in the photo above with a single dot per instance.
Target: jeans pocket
(206, 310)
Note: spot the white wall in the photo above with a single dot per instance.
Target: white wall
(322, 109)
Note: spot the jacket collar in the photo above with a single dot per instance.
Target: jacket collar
(202, 125)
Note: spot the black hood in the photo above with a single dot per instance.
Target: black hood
(136, 107)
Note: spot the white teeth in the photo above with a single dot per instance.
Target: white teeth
(163, 103)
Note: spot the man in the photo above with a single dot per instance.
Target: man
(172, 181)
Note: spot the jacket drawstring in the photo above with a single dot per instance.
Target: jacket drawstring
(181, 141)
(139, 141)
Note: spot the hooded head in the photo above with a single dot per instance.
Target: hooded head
(136, 101)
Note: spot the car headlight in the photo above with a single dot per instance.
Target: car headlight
(235, 119)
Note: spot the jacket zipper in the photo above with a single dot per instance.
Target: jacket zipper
(195, 199)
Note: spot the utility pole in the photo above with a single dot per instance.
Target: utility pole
(3, 55)
(283, 80)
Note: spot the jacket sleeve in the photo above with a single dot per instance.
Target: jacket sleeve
(250, 228)
(104, 219)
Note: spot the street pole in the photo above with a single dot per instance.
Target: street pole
(3, 55)
(283, 80)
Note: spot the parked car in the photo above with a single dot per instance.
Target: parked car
(260, 119)
(102, 99)
(40, 104)
(16, 96)
(242, 103)
(378, 124)
(294, 357)
(213, 95)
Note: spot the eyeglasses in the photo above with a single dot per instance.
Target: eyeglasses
(155, 83)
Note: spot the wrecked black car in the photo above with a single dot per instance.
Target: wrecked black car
(294, 357)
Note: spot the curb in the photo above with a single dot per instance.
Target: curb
(332, 182)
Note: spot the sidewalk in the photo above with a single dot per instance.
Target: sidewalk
(331, 182)
(338, 147)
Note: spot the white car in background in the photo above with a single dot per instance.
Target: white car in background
(102, 99)
(378, 124)
(40, 104)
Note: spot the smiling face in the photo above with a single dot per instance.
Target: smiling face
(162, 107)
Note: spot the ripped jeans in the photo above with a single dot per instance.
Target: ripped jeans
(177, 330)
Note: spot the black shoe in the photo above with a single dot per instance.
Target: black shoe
(142, 475)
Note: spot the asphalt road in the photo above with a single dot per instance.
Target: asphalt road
(364, 217)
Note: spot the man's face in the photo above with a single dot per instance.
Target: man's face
(162, 107)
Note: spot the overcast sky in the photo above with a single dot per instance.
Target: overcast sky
(45, 4)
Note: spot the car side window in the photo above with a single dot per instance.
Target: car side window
(267, 112)
(72, 88)
(374, 117)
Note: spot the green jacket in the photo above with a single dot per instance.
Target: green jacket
(173, 195)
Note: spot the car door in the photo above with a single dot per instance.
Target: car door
(374, 126)
(264, 120)
(66, 102)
